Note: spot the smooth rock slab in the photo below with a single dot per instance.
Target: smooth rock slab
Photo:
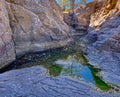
(108, 62)
(34, 82)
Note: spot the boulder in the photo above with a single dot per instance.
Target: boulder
(83, 15)
(37, 25)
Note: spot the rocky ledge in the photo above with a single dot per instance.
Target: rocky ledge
(34, 82)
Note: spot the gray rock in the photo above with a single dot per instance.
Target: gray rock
(7, 53)
(37, 25)
(108, 62)
(104, 51)
(33, 82)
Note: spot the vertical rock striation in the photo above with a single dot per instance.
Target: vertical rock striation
(7, 53)
(30, 26)
(103, 37)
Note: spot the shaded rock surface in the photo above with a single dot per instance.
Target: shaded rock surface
(37, 25)
(108, 62)
(34, 82)
(7, 53)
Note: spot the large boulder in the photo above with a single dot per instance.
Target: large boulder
(37, 25)
(7, 53)
(83, 15)
(109, 35)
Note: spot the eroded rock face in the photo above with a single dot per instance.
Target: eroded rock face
(80, 19)
(103, 37)
(37, 25)
(7, 53)
(106, 27)
(109, 9)
(83, 15)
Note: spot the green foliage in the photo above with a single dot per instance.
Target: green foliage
(55, 70)
(99, 83)
(82, 1)
(66, 4)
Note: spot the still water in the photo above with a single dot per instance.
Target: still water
(60, 62)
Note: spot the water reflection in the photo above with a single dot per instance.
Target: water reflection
(76, 66)
(72, 67)
(62, 63)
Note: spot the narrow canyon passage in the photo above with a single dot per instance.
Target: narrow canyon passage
(59, 48)
(63, 72)
(62, 62)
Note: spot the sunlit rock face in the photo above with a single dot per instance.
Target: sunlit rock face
(81, 18)
(37, 25)
(106, 27)
(6, 43)
(83, 15)
(109, 9)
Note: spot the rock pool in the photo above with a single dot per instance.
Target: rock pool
(62, 62)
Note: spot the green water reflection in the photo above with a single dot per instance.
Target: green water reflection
(69, 63)
(76, 66)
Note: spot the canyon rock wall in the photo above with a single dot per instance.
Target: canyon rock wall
(103, 41)
(105, 27)
(80, 18)
(30, 26)
(36, 25)
(109, 9)
(7, 53)
(83, 15)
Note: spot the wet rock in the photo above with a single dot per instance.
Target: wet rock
(33, 82)
(111, 78)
